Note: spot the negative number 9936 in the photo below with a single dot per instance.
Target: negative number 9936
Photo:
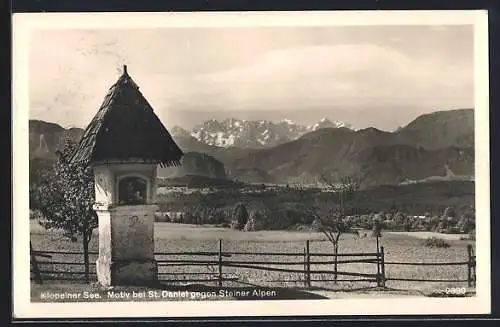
(455, 290)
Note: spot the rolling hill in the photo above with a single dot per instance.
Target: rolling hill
(45, 138)
(226, 155)
(440, 129)
(195, 163)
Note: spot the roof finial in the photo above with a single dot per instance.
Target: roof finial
(125, 70)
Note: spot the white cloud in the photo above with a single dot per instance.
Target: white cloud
(362, 72)
(70, 72)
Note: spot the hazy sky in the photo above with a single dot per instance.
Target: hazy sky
(367, 75)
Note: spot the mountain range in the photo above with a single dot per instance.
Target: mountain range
(431, 145)
(251, 133)
(438, 145)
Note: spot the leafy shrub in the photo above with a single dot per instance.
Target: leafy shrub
(220, 217)
(419, 226)
(280, 219)
(449, 212)
(189, 217)
(35, 215)
(435, 242)
(225, 224)
(468, 225)
(399, 218)
(381, 216)
(407, 224)
(316, 226)
(388, 224)
(433, 223)
(162, 217)
(365, 222)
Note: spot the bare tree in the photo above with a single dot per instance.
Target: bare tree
(332, 219)
(335, 223)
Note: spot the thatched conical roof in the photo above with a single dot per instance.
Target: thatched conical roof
(125, 128)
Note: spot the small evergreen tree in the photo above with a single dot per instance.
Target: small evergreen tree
(393, 210)
(407, 224)
(240, 217)
(449, 212)
(399, 218)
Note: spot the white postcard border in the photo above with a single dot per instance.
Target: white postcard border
(23, 308)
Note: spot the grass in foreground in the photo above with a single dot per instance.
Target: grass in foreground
(178, 238)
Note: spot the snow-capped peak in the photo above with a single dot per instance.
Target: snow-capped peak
(288, 121)
(326, 123)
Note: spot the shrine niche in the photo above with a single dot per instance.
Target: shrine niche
(132, 190)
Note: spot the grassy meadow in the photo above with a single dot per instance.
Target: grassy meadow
(172, 237)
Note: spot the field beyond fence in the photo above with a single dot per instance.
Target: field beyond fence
(228, 268)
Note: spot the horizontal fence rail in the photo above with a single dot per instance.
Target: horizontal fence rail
(428, 280)
(462, 263)
(225, 266)
(39, 253)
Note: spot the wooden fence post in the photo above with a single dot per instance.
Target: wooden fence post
(335, 263)
(220, 263)
(379, 279)
(382, 264)
(34, 264)
(469, 265)
(305, 267)
(473, 266)
(308, 265)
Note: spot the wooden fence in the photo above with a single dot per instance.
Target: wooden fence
(470, 264)
(218, 263)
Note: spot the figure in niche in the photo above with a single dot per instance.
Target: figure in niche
(132, 191)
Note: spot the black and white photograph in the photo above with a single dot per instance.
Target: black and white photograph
(310, 163)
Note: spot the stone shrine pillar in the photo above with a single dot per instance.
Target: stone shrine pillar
(124, 143)
(125, 205)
